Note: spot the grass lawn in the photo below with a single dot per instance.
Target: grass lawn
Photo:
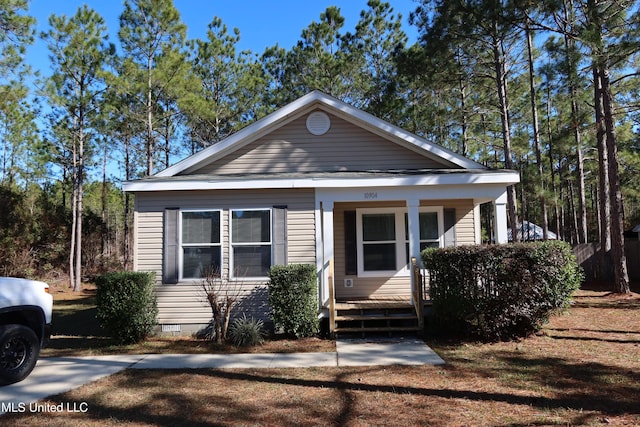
(77, 333)
(582, 369)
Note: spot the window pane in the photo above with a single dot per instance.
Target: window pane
(428, 225)
(251, 226)
(423, 246)
(406, 226)
(377, 227)
(379, 256)
(251, 261)
(201, 227)
(196, 261)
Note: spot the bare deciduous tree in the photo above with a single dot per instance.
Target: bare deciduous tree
(221, 294)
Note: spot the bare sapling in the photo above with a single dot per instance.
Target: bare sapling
(221, 293)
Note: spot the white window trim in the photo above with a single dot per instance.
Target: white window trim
(182, 245)
(440, 211)
(232, 244)
(400, 240)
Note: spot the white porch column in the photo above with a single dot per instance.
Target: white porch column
(327, 248)
(500, 216)
(413, 213)
(477, 222)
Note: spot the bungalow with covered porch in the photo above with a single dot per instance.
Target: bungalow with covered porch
(316, 182)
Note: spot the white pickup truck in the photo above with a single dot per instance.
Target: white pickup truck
(25, 326)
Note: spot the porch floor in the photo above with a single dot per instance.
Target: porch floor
(376, 303)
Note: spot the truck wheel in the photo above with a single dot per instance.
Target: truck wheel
(19, 349)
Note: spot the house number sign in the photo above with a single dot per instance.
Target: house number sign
(370, 195)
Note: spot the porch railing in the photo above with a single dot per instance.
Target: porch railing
(332, 301)
(424, 277)
(417, 289)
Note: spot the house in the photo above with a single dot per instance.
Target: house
(318, 182)
(528, 232)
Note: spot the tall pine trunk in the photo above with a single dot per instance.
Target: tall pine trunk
(127, 205)
(103, 201)
(464, 148)
(77, 286)
(536, 134)
(604, 99)
(74, 207)
(503, 100)
(604, 198)
(149, 105)
(74, 219)
(552, 169)
(621, 277)
(572, 76)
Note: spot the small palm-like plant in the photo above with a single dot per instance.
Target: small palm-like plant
(246, 331)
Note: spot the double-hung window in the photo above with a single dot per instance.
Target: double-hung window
(250, 242)
(383, 238)
(201, 248)
(379, 245)
(430, 229)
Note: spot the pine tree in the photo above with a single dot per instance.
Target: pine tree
(481, 31)
(18, 133)
(371, 49)
(78, 54)
(152, 37)
(318, 61)
(228, 87)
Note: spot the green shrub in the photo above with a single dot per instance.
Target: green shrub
(500, 292)
(127, 307)
(246, 331)
(293, 298)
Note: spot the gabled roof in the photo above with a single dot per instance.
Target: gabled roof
(317, 99)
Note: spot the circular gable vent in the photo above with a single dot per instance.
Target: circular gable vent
(318, 123)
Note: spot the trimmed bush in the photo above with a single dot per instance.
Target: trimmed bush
(500, 292)
(245, 331)
(127, 307)
(293, 298)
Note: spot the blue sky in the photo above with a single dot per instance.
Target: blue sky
(262, 23)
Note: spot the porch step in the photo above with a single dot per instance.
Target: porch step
(378, 329)
(375, 315)
(372, 305)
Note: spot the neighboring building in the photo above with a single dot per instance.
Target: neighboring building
(530, 232)
(314, 182)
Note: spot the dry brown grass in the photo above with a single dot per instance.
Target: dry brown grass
(583, 369)
(77, 333)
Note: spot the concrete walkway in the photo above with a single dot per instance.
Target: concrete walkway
(60, 374)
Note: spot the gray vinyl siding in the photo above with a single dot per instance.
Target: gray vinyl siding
(364, 287)
(183, 303)
(345, 147)
(465, 226)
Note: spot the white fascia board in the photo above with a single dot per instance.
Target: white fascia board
(503, 178)
(488, 192)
